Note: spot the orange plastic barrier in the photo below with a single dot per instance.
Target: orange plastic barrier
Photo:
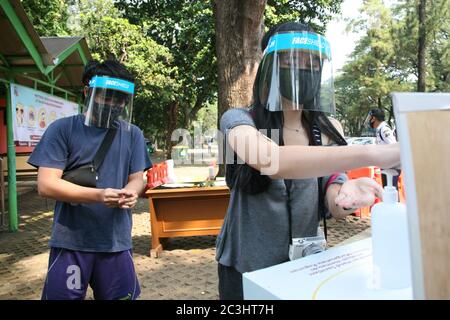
(156, 175)
(379, 180)
(368, 172)
(401, 189)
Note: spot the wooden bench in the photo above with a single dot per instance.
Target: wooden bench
(186, 212)
(25, 173)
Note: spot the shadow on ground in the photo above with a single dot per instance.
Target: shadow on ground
(186, 269)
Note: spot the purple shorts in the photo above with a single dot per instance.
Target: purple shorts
(111, 275)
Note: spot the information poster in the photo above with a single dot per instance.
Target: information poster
(34, 111)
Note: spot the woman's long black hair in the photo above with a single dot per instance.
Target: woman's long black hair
(244, 177)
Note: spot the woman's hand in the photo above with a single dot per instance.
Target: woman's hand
(358, 193)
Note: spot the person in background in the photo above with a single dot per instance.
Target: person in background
(383, 135)
(210, 140)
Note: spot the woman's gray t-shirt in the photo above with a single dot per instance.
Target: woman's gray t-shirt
(257, 227)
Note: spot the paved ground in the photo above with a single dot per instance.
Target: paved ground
(186, 269)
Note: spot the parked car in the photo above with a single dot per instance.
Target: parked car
(360, 140)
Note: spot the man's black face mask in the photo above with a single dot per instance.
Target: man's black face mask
(105, 115)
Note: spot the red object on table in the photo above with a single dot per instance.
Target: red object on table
(156, 175)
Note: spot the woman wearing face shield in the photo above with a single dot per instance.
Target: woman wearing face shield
(285, 158)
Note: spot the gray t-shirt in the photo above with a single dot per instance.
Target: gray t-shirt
(257, 228)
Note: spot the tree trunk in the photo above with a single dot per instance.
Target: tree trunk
(171, 126)
(391, 114)
(422, 46)
(239, 29)
(191, 113)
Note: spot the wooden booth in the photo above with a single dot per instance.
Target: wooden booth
(423, 126)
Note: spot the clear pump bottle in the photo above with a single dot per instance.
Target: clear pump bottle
(390, 242)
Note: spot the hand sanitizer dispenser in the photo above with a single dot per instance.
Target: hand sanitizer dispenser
(390, 242)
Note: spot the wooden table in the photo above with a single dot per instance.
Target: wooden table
(184, 212)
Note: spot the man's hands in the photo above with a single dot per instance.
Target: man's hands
(50, 185)
(128, 200)
(119, 198)
(125, 198)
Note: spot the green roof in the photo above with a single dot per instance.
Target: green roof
(56, 60)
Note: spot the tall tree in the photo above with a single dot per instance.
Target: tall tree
(386, 58)
(430, 38)
(186, 28)
(438, 45)
(370, 75)
(239, 28)
(421, 55)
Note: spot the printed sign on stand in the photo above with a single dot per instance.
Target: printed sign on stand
(343, 272)
(34, 111)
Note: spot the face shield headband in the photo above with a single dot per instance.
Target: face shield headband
(109, 101)
(296, 73)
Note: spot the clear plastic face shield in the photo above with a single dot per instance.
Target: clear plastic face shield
(108, 101)
(296, 73)
(368, 121)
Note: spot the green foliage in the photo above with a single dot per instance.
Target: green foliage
(317, 13)
(48, 17)
(439, 54)
(109, 36)
(207, 117)
(406, 30)
(85, 14)
(385, 59)
(186, 28)
(366, 80)
(168, 44)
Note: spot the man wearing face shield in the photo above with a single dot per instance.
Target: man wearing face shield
(288, 176)
(108, 100)
(91, 234)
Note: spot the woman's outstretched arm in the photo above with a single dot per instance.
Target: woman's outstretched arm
(302, 162)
